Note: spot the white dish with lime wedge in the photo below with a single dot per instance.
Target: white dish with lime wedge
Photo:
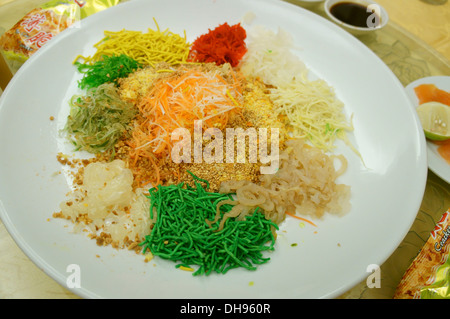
(436, 162)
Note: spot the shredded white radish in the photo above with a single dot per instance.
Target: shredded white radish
(270, 58)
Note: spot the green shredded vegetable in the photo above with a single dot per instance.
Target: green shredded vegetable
(181, 232)
(107, 70)
(98, 119)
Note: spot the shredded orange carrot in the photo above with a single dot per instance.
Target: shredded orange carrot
(301, 218)
(191, 94)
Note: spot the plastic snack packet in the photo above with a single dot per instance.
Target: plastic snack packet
(428, 275)
(42, 24)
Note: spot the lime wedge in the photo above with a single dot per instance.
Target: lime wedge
(435, 120)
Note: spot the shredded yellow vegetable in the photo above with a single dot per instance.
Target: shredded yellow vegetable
(149, 48)
(312, 110)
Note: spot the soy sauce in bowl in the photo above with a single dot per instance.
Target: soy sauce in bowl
(352, 13)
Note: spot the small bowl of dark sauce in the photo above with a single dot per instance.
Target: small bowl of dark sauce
(357, 16)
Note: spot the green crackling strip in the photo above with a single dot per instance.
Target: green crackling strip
(181, 232)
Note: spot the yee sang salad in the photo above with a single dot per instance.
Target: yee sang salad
(159, 179)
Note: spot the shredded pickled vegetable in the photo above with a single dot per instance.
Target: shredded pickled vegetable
(98, 119)
(149, 48)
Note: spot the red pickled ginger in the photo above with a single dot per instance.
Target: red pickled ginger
(223, 44)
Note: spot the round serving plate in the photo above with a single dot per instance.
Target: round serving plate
(387, 185)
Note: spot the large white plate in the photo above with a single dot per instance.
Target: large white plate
(328, 260)
(435, 161)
